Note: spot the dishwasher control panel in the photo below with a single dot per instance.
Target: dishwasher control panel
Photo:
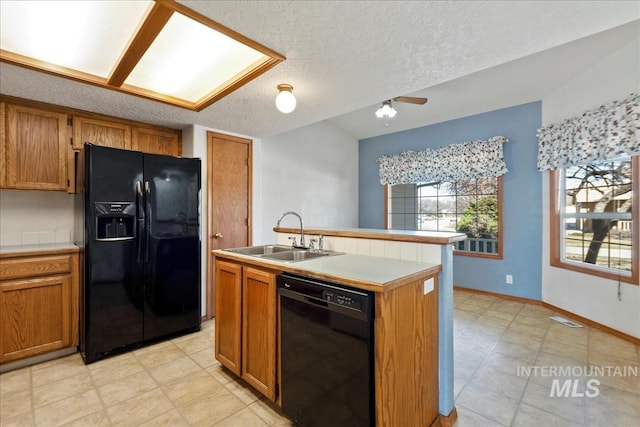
(342, 299)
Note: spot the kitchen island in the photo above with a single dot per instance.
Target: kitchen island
(407, 282)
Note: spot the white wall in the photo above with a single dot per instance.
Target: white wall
(33, 217)
(311, 170)
(614, 78)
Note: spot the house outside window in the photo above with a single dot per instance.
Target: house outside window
(594, 218)
(472, 207)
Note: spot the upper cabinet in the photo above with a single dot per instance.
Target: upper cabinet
(100, 132)
(156, 141)
(41, 145)
(35, 145)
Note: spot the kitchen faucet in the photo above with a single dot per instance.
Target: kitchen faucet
(301, 225)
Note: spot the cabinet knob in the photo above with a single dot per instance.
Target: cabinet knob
(218, 235)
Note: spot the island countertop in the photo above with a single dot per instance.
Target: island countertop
(360, 271)
(433, 237)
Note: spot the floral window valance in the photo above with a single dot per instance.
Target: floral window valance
(597, 135)
(455, 162)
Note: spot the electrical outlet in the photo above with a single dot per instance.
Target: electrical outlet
(509, 279)
(428, 285)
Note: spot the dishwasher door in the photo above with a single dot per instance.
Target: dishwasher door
(326, 353)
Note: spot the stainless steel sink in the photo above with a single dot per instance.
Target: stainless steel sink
(281, 252)
(261, 250)
(298, 255)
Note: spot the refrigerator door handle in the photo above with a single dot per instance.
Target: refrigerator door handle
(140, 220)
(147, 233)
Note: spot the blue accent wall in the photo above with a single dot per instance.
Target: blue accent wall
(522, 193)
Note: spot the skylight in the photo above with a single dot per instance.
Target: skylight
(155, 49)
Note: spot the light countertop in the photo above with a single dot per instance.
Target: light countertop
(433, 237)
(361, 271)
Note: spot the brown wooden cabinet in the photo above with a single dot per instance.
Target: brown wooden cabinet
(245, 300)
(259, 330)
(35, 146)
(228, 302)
(38, 304)
(156, 141)
(100, 132)
(41, 145)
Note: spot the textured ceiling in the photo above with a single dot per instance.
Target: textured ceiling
(344, 57)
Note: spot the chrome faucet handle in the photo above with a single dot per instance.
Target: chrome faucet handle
(311, 242)
(321, 243)
(293, 241)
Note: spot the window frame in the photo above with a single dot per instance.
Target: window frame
(555, 231)
(499, 255)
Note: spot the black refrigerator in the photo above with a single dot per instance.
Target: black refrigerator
(141, 249)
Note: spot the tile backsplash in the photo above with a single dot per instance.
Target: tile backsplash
(35, 217)
(35, 237)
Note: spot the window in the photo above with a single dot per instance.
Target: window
(594, 218)
(472, 207)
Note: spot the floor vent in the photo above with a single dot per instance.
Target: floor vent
(566, 322)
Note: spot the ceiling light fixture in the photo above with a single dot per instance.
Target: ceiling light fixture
(162, 50)
(285, 101)
(386, 110)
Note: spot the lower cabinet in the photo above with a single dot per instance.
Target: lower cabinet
(38, 305)
(245, 333)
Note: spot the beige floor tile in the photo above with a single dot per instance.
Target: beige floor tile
(68, 409)
(517, 351)
(20, 420)
(57, 369)
(15, 381)
(469, 418)
(525, 329)
(220, 373)
(245, 418)
(61, 389)
(528, 416)
(500, 314)
(159, 354)
(168, 419)
(14, 404)
(115, 368)
(539, 396)
(508, 364)
(489, 404)
(497, 381)
(139, 409)
(97, 419)
(125, 388)
(192, 386)
(205, 357)
(565, 349)
(611, 400)
(495, 322)
(618, 348)
(243, 391)
(269, 413)
(174, 369)
(194, 343)
(210, 409)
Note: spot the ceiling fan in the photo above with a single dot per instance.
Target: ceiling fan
(386, 110)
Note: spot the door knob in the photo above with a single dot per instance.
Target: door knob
(218, 235)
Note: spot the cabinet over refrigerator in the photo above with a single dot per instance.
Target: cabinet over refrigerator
(140, 235)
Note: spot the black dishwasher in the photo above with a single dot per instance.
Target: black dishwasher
(326, 353)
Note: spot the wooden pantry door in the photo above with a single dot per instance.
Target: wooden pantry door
(229, 165)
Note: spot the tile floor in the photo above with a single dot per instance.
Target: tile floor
(179, 383)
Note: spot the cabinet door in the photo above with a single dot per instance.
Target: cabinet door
(228, 302)
(36, 149)
(100, 132)
(156, 141)
(259, 330)
(35, 316)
